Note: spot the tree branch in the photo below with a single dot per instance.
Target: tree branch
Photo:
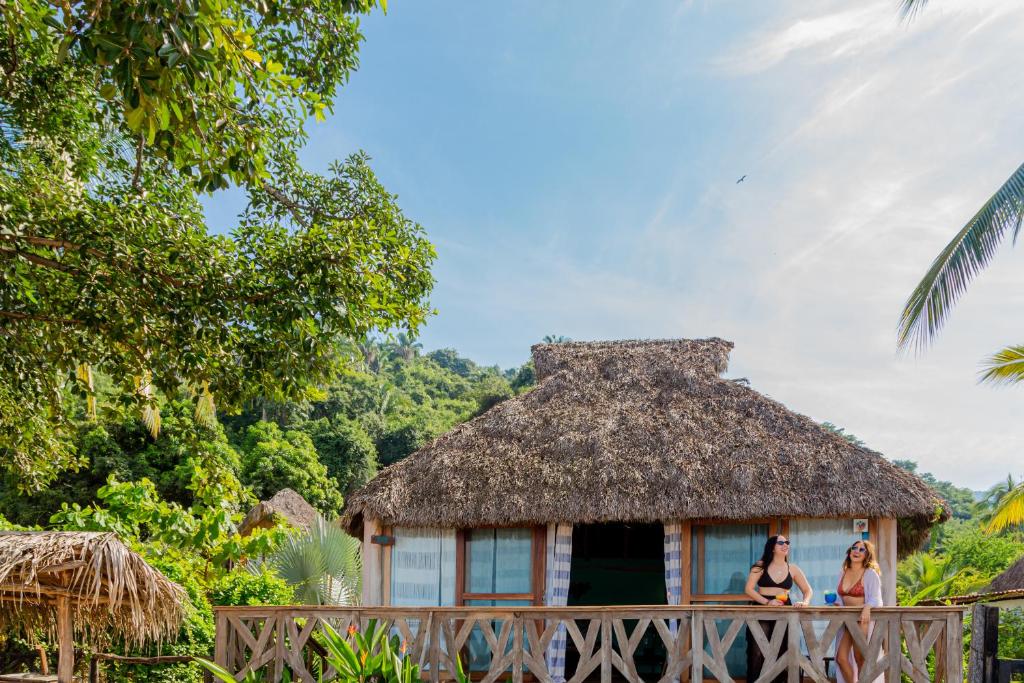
(41, 261)
(15, 315)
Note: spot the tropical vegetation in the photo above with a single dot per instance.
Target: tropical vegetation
(967, 254)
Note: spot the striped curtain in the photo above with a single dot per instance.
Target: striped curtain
(673, 567)
(556, 592)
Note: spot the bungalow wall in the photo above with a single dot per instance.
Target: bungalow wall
(505, 567)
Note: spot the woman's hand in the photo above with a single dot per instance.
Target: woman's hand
(802, 603)
(865, 616)
(775, 602)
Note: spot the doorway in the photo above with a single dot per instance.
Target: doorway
(620, 564)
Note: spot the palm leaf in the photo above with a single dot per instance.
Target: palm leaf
(1009, 512)
(206, 409)
(84, 374)
(1006, 366)
(963, 258)
(910, 8)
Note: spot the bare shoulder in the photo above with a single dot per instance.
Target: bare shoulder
(796, 570)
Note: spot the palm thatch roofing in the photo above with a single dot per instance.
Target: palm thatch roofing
(639, 431)
(285, 505)
(1007, 587)
(111, 591)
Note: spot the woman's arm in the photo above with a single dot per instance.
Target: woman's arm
(872, 595)
(802, 584)
(751, 587)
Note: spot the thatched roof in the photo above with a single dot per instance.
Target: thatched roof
(1008, 587)
(112, 591)
(639, 431)
(285, 505)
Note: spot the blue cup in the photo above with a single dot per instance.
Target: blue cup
(830, 598)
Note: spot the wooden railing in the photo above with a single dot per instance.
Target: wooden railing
(922, 643)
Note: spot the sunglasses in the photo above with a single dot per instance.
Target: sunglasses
(858, 549)
(781, 542)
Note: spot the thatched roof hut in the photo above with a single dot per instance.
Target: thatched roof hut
(84, 584)
(286, 505)
(1007, 588)
(639, 431)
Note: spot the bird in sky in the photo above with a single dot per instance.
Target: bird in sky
(741, 179)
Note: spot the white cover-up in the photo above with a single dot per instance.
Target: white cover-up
(872, 598)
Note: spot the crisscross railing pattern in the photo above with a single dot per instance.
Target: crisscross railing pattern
(922, 643)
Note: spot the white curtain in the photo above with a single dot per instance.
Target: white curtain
(819, 548)
(556, 592)
(423, 567)
(673, 563)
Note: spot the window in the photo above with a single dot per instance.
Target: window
(721, 556)
(501, 567)
(423, 567)
(819, 547)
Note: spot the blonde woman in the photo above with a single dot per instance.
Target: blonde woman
(860, 585)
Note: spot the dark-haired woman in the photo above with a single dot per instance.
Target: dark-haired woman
(769, 584)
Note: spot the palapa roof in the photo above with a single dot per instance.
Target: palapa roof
(286, 504)
(1007, 587)
(112, 591)
(639, 431)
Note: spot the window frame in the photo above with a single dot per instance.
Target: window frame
(696, 532)
(538, 560)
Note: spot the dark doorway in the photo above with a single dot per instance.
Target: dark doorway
(620, 564)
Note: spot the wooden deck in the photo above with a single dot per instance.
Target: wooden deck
(902, 642)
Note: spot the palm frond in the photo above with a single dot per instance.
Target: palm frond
(322, 564)
(910, 8)
(84, 374)
(206, 409)
(963, 258)
(150, 411)
(1009, 512)
(1005, 366)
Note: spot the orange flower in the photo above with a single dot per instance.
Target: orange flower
(352, 629)
(402, 648)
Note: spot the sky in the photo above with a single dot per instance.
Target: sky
(576, 166)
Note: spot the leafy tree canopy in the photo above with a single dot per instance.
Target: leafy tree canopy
(114, 117)
(273, 460)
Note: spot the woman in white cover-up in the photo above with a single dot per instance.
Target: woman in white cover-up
(860, 585)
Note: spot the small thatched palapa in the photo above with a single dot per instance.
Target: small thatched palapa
(285, 505)
(638, 431)
(106, 589)
(1008, 587)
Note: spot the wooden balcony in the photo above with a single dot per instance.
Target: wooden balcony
(923, 643)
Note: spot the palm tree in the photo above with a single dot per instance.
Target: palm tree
(970, 251)
(925, 576)
(555, 339)
(322, 564)
(1009, 512)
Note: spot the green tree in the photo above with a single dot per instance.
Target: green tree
(345, 449)
(449, 359)
(106, 262)
(960, 499)
(273, 460)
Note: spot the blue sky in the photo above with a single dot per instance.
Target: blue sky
(575, 164)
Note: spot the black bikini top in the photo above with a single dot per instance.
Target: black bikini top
(766, 580)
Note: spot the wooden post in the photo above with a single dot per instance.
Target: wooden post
(220, 642)
(984, 644)
(954, 648)
(887, 551)
(65, 641)
(373, 591)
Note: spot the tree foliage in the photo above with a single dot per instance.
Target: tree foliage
(114, 117)
(273, 459)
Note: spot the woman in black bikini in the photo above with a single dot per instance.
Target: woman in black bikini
(769, 583)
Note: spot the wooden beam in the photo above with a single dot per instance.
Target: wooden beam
(66, 642)
(372, 570)
(887, 553)
(686, 559)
